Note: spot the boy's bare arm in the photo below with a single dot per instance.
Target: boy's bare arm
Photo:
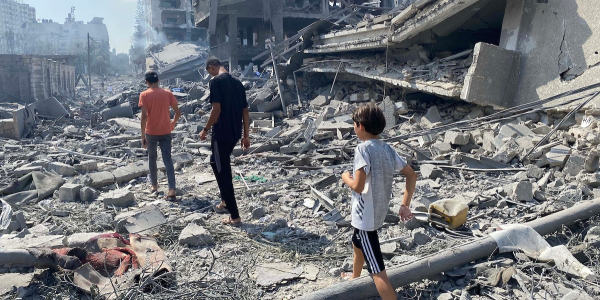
(411, 183)
(356, 183)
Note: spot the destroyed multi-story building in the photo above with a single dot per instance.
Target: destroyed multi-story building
(240, 31)
(168, 21)
(497, 53)
(14, 18)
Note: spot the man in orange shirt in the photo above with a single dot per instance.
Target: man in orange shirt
(157, 127)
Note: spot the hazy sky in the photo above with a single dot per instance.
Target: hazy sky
(119, 16)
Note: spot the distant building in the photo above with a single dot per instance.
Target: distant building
(51, 38)
(14, 18)
(168, 21)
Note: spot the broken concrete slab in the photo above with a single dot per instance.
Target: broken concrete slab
(557, 157)
(195, 235)
(431, 117)
(119, 198)
(69, 192)
(88, 194)
(311, 272)
(589, 179)
(441, 148)
(120, 111)
(144, 221)
(491, 75)
(389, 111)
(86, 166)
(61, 169)
(522, 191)
(592, 161)
(574, 164)
(100, 179)
(128, 173)
(457, 138)
(274, 273)
(14, 281)
(507, 152)
(431, 171)
(509, 131)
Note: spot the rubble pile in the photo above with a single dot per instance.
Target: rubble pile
(72, 181)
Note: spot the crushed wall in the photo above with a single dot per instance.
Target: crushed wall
(31, 78)
(559, 42)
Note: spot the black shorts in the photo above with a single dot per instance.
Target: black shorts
(368, 243)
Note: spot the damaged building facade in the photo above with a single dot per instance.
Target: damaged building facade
(14, 18)
(168, 21)
(71, 37)
(240, 31)
(492, 53)
(36, 81)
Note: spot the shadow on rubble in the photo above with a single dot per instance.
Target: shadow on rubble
(278, 234)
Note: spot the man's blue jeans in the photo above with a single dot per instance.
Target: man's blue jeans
(164, 141)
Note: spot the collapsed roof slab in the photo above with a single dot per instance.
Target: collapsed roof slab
(346, 39)
(442, 89)
(490, 80)
(429, 17)
(410, 23)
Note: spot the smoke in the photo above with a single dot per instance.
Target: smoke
(155, 37)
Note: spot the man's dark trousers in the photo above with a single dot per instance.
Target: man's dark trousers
(220, 161)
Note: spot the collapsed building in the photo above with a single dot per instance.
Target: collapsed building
(483, 52)
(37, 82)
(168, 21)
(240, 31)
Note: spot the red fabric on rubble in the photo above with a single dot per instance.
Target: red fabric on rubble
(109, 236)
(120, 259)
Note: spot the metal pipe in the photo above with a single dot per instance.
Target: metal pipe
(448, 259)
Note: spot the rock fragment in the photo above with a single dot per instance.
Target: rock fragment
(61, 169)
(195, 235)
(69, 192)
(522, 191)
(457, 138)
(431, 171)
(119, 198)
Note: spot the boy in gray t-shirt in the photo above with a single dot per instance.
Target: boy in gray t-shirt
(374, 166)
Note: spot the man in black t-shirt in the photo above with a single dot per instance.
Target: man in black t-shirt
(229, 109)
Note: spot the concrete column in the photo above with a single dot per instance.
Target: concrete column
(233, 42)
(513, 15)
(277, 22)
(325, 5)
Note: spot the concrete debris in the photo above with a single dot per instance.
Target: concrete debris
(274, 273)
(119, 198)
(195, 235)
(69, 192)
(431, 171)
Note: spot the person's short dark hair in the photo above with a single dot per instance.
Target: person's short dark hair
(371, 117)
(213, 61)
(151, 77)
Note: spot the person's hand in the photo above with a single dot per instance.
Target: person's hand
(144, 142)
(172, 126)
(245, 143)
(203, 135)
(405, 213)
(347, 177)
